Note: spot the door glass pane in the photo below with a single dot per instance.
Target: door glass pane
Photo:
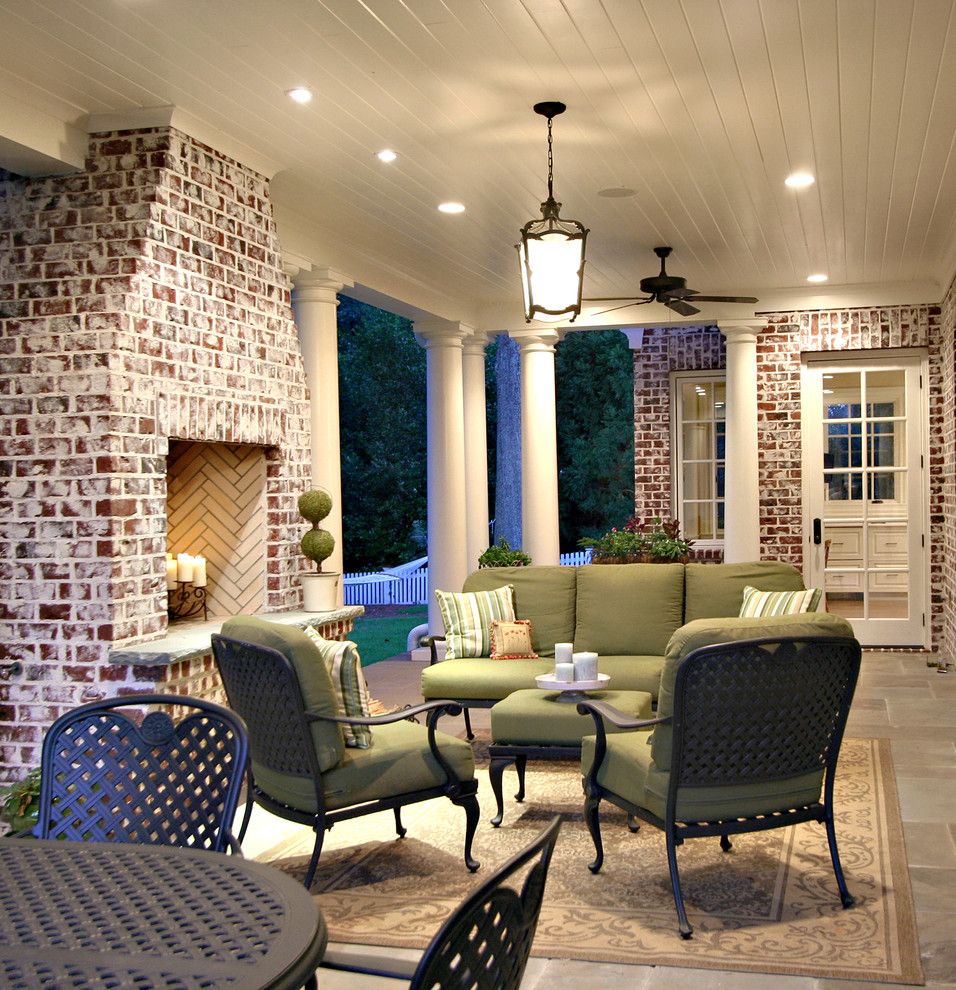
(698, 440)
(697, 400)
(697, 520)
(884, 486)
(699, 480)
(720, 400)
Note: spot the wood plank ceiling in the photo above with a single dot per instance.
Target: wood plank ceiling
(684, 118)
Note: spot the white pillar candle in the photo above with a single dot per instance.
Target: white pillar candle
(199, 571)
(564, 672)
(585, 666)
(185, 563)
(171, 571)
(563, 652)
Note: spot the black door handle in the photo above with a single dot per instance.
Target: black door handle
(817, 532)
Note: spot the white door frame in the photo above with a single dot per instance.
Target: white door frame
(812, 366)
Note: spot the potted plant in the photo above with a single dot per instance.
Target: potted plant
(319, 589)
(666, 543)
(501, 555)
(628, 545)
(20, 802)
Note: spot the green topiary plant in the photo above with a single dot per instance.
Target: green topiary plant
(20, 802)
(317, 544)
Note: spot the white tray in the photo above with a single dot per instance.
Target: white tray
(547, 683)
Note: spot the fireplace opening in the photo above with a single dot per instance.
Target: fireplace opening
(216, 511)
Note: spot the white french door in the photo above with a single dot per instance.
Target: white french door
(865, 495)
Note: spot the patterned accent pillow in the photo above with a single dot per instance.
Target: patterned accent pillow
(761, 603)
(468, 616)
(511, 640)
(342, 660)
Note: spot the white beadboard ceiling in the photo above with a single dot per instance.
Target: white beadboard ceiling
(699, 108)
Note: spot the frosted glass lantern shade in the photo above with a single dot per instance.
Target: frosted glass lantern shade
(552, 270)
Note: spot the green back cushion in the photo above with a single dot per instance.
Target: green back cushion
(314, 680)
(717, 590)
(545, 595)
(628, 609)
(707, 632)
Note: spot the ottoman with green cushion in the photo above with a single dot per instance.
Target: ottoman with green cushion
(535, 723)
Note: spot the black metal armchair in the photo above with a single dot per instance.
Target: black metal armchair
(301, 769)
(747, 738)
(486, 942)
(109, 775)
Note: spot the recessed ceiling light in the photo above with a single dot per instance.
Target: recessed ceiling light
(301, 94)
(386, 155)
(799, 180)
(819, 277)
(451, 207)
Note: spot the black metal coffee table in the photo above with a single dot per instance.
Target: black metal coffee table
(97, 915)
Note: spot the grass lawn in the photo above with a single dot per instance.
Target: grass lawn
(380, 637)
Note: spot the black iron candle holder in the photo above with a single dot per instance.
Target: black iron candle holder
(186, 602)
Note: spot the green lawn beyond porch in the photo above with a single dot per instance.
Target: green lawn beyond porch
(383, 631)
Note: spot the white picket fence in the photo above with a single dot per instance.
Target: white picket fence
(378, 588)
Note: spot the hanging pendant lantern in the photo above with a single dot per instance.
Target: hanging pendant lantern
(551, 252)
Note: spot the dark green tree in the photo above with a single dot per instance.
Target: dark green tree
(383, 429)
(594, 375)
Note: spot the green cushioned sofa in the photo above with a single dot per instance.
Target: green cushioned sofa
(626, 613)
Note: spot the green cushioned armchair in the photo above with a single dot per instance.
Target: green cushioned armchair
(301, 769)
(750, 720)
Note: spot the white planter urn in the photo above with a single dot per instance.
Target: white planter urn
(320, 591)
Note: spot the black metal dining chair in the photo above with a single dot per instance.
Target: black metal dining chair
(110, 774)
(486, 942)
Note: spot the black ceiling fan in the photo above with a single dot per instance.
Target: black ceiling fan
(670, 290)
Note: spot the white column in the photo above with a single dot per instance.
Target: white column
(314, 304)
(539, 446)
(476, 448)
(447, 560)
(741, 479)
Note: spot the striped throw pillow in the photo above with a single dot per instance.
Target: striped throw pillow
(759, 603)
(342, 660)
(468, 616)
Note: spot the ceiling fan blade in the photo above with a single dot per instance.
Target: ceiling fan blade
(616, 298)
(614, 309)
(679, 306)
(733, 299)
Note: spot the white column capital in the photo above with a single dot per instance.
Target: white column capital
(319, 284)
(635, 337)
(742, 331)
(476, 342)
(536, 340)
(441, 333)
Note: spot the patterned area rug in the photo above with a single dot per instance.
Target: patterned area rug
(770, 905)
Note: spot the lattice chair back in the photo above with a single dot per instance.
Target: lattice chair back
(762, 710)
(115, 776)
(263, 687)
(485, 944)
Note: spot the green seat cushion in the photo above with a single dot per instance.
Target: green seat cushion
(717, 590)
(545, 595)
(707, 632)
(533, 717)
(633, 673)
(399, 763)
(480, 678)
(629, 770)
(628, 609)
(315, 683)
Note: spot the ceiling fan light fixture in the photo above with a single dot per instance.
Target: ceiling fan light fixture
(799, 180)
(551, 251)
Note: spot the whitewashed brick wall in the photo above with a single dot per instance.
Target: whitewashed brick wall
(140, 299)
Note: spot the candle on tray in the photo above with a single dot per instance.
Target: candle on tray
(185, 562)
(564, 672)
(585, 666)
(563, 652)
(199, 571)
(170, 572)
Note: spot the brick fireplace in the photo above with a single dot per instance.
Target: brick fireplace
(142, 304)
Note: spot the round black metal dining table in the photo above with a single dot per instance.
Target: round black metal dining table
(85, 916)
